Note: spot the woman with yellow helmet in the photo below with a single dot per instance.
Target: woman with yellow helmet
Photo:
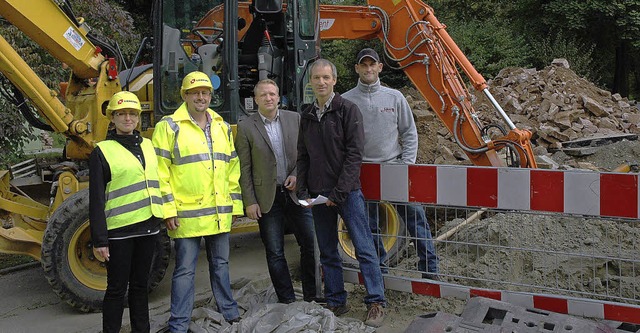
(125, 212)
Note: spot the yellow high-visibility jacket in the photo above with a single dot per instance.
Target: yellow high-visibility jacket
(201, 189)
(133, 194)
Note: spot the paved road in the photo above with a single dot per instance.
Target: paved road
(27, 303)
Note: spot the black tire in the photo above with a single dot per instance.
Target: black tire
(69, 264)
(395, 243)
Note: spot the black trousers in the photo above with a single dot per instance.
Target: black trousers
(129, 266)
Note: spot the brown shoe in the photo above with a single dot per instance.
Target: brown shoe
(375, 315)
(338, 310)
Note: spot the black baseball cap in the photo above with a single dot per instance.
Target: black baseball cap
(368, 52)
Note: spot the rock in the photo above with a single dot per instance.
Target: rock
(545, 162)
(553, 132)
(594, 107)
(460, 156)
(423, 114)
(443, 131)
(539, 150)
(631, 118)
(440, 160)
(580, 151)
(409, 99)
(607, 123)
(624, 105)
(447, 154)
(571, 134)
(560, 62)
(555, 145)
(616, 97)
(562, 120)
(587, 166)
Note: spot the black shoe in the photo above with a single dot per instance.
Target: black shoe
(234, 320)
(319, 300)
(431, 276)
(287, 301)
(338, 310)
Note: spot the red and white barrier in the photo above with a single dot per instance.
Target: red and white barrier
(556, 303)
(571, 192)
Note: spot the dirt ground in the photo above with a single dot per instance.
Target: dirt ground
(11, 260)
(29, 305)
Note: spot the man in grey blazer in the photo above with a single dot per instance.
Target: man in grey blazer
(266, 145)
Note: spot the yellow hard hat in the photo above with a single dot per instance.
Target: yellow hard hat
(195, 80)
(123, 100)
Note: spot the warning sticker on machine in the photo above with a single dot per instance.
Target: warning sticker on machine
(74, 38)
(326, 24)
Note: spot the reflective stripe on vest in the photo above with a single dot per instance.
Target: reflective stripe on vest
(133, 194)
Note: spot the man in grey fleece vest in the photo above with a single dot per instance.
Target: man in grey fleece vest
(390, 137)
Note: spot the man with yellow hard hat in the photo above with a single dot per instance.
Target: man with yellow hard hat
(125, 213)
(199, 181)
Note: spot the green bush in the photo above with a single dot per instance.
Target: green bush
(490, 45)
(581, 57)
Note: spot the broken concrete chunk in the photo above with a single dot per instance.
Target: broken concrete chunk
(580, 151)
(561, 62)
(545, 162)
(616, 97)
(594, 107)
(631, 118)
(608, 123)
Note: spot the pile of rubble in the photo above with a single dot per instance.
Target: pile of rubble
(554, 103)
(557, 105)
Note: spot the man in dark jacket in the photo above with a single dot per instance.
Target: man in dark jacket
(330, 146)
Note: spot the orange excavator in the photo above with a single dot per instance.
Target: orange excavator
(236, 43)
(411, 36)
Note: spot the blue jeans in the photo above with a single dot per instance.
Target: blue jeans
(416, 222)
(353, 213)
(272, 228)
(183, 281)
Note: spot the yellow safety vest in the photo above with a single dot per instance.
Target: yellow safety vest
(201, 189)
(133, 194)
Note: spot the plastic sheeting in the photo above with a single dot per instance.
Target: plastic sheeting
(261, 313)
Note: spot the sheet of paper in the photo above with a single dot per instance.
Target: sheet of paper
(319, 200)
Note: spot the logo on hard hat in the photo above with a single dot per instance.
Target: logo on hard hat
(199, 80)
(122, 100)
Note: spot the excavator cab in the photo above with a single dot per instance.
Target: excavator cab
(236, 43)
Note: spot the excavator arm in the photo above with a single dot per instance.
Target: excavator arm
(93, 76)
(418, 43)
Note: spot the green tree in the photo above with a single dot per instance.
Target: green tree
(106, 18)
(614, 28)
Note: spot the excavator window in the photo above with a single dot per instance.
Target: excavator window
(307, 18)
(268, 6)
(187, 45)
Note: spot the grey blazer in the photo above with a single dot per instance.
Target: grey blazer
(258, 161)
